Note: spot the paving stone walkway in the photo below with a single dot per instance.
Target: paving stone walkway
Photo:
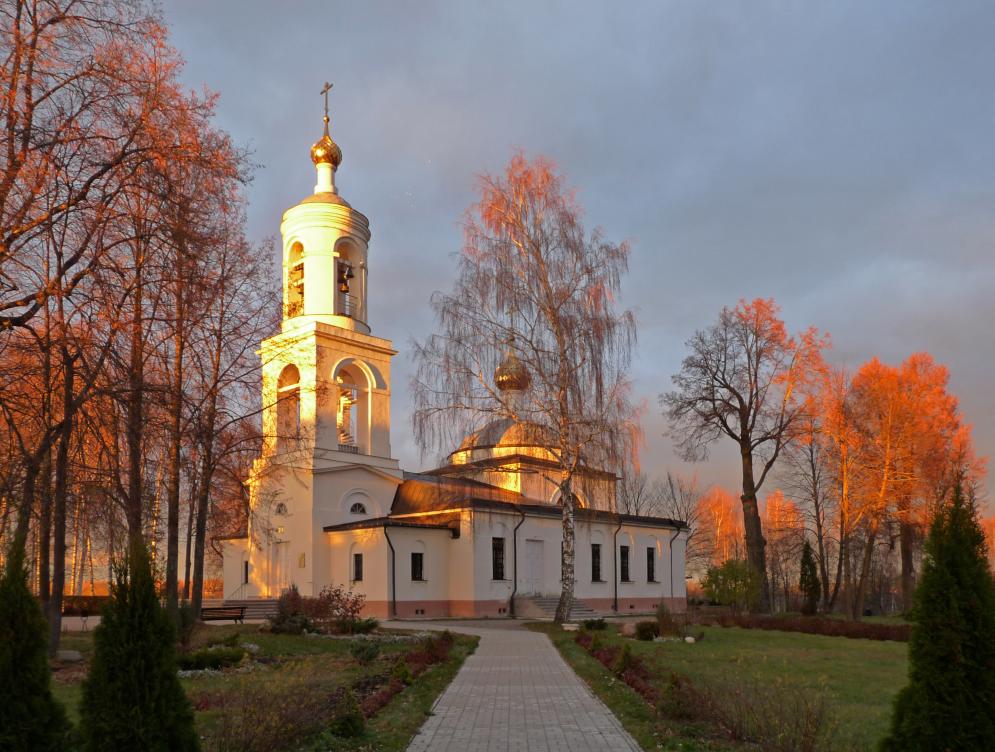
(516, 693)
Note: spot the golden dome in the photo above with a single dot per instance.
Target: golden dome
(326, 151)
(511, 374)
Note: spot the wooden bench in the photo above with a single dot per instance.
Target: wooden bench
(223, 613)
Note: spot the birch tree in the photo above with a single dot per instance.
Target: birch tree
(534, 285)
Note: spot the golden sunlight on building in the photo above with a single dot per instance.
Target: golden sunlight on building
(479, 536)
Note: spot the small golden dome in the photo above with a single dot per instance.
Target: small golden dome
(511, 374)
(326, 151)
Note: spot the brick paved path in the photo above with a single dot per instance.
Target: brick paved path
(516, 693)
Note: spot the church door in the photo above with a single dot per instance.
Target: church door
(280, 569)
(533, 567)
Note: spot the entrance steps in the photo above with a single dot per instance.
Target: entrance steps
(544, 607)
(255, 608)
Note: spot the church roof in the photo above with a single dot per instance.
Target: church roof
(441, 522)
(424, 493)
(505, 432)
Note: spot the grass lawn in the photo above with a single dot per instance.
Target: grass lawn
(285, 659)
(859, 678)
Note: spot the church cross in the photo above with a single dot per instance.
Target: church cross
(325, 90)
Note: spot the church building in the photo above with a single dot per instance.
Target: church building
(477, 537)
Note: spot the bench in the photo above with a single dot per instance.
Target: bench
(223, 613)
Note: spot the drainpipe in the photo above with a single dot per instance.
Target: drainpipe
(615, 565)
(514, 554)
(393, 575)
(670, 548)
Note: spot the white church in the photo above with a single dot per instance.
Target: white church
(478, 537)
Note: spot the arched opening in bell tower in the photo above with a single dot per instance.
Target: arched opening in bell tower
(295, 281)
(350, 280)
(353, 409)
(288, 408)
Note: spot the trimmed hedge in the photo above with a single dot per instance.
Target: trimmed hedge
(857, 630)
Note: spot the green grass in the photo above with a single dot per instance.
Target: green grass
(859, 678)
(391, 729)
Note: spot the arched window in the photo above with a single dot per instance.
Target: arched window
(353, 413)
(281, 509)
(295, 281)
(358, 508)
(288, 408)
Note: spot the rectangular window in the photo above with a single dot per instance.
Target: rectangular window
(245, 572)
(596, 562)
(651, 564)
(357, 567)
(417, 567)
(497, 558)
(623, 555)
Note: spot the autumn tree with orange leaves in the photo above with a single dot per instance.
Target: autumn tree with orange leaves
(747, 379)
(537, 292)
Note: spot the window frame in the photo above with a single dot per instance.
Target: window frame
(624, 564)
(357, 566)
(651, 564)
(498, 558)
(596, 574)
(418, 556)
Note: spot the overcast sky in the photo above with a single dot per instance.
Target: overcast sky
(839, 157)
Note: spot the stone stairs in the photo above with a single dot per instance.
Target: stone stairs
(544, 607)
(255, 608)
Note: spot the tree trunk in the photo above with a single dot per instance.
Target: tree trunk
(175, 445)
(906, 544)
(567, 578)
(865, 570)
(59, 508)
(755, 543)
(203, 499)
(134, 418)
(186, 570)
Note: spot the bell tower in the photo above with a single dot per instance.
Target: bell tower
(326, 378)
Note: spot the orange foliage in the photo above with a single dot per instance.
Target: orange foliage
(720, 517)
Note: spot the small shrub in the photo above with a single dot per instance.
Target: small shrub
(292, 625)
(678, 699)
(211, 658)
(665, 623)
(373, 703)
(229, 640)
(594, 624)
(584, 639)
(402, 672)
(362, 626)
(290, 617)
(647, 630)
(186, 622)
(623, 660)
(734, 583)
(365, 651)
(348, 721)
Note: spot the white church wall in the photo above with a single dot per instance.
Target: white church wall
(430, 596)
(372, 545)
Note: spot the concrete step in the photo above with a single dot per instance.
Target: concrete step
(544, 607)
(255, 608)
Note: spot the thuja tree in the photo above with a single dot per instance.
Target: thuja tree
(808, 581)
(949, 702)
(30, 718)
(536, 293)
(132, 698)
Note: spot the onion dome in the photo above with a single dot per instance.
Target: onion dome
(511, 374)
(326, 151)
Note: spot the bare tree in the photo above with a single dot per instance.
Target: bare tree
(533, 287)
(745, 378)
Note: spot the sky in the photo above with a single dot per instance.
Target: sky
(838, 157)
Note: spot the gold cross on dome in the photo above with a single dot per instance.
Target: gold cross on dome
(325, 90)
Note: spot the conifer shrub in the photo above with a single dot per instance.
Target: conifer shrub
(594, 624)
(623, 661)
(211, 658)
(30, 717)
(402, 672)
(647, 630)
(348, 721)
(949, 702)
(365, 651)
(132, 698)
(808, 582)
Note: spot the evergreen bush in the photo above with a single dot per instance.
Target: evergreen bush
(132, 698)
(30, 717)
(348, 721)
(734, 583)
(949, 702)
(808, 582)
